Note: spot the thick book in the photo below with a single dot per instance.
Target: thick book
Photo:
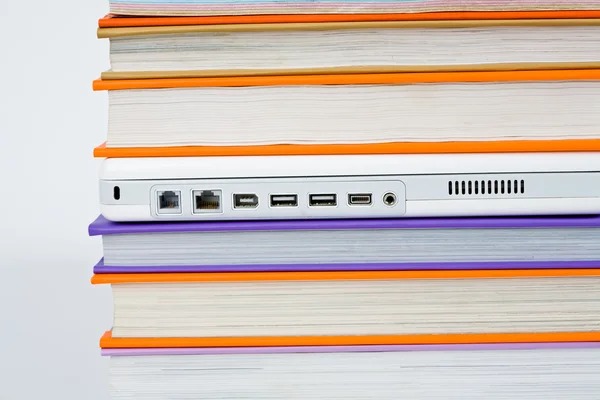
(351, 47)
(352, 308)
(270, 7)
(355, 109)
(559, 371)
(350, 245)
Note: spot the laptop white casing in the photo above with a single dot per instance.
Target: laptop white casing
(349, 186)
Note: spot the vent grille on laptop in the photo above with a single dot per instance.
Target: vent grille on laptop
(478, 187)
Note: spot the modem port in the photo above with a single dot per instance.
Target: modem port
(169, 202)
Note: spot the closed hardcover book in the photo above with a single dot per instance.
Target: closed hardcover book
(353, 308)
(561, 371)
(350, 245)
(351, 47)
(362, 110)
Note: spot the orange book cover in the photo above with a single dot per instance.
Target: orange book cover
(116, 279)
(403, 78)
(525, 146)
(108, 341)
(112, 21)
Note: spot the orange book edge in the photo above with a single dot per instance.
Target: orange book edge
(108, 341)
(373, 69)
(112, 21)
(104, 33)
(351, 79)
(337, 276)
(512, 146)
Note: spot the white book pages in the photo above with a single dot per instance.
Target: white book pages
(338, 114)
(361, 307)
(557, 374)
(352, 246)
(380, 47)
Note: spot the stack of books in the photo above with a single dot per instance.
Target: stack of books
(352, 200)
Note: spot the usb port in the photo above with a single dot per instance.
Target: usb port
(360, 199)
(247, 200)
(322, 200)
(284, 200)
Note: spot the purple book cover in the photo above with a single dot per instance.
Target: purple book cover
(104, 227)
(348, 349)
(100, 268)
(101, 226)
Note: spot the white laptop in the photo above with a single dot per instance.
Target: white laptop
(352, 186)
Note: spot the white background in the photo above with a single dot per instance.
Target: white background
(50, 120)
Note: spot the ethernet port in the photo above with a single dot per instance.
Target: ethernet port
(206, 201)
(169, 202)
